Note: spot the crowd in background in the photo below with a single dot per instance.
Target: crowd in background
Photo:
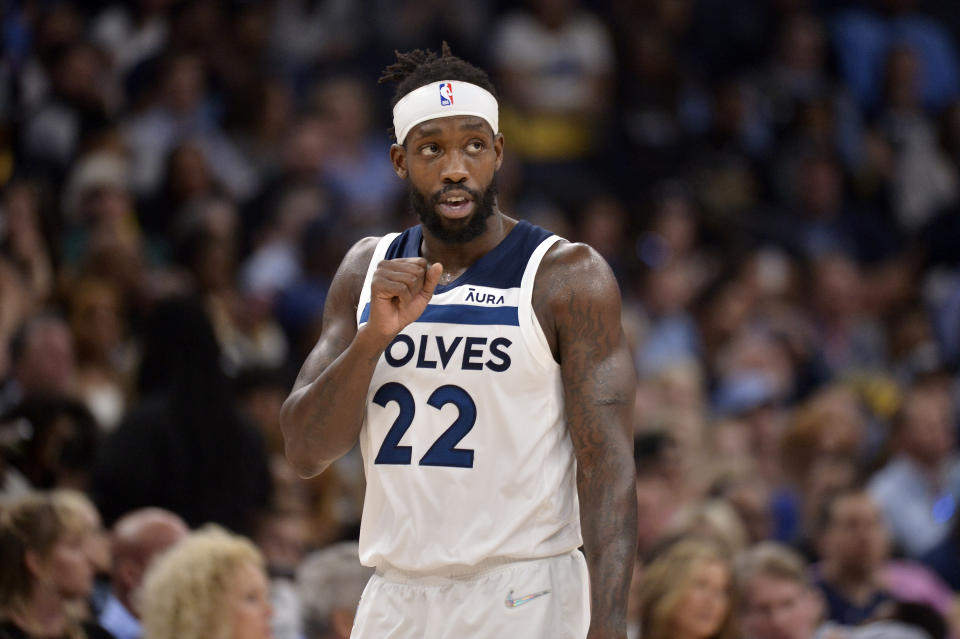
(775, 183)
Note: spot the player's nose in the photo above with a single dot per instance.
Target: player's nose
(454, 167)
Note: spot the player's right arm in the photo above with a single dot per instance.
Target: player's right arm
(322, 416)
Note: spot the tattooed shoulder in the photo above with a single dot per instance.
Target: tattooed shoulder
(574, 296)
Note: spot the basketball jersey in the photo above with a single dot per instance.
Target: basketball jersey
(464, 441)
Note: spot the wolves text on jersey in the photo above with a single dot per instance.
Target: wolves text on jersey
(433, 351)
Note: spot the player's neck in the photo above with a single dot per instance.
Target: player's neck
(456, 258)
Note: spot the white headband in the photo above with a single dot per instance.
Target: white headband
(443, 100)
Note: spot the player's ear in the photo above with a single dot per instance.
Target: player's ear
(398, 157)
(498, 148)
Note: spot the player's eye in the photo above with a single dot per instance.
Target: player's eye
(476, 145)
(429, 149)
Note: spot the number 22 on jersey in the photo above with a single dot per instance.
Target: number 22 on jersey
(444, 451)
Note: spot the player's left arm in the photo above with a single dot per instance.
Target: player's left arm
(583, 324)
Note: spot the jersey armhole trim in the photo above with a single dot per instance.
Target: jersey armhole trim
(378, 254)
(530, 327)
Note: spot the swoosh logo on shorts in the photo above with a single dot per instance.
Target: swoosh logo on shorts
(519, 601)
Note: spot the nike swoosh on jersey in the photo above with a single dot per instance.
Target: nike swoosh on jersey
(519, 601)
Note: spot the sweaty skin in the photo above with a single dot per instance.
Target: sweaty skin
(577, 301)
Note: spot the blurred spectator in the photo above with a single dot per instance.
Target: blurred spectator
(306, 143)
(684, 461)
(281, 535)
(777, 600)
(714, 520)
(275, 263)
(944, 558)
(681, 386)
(104, 352)
(136, 539)
(854, 545)
(603, 224)
(299, 305)
(662, 103)
(47, 573)
(96, 547)
(25, 242)
(750, 496)
(311, 33)
(187, 182)
(913, 349)
(864, 34)
(15, 307)
(207, 246)
(131, 33)
(259, 118)
(39, 36)
(407, 24)
(672, 334)
(555, 60)
(330, 582)
(98, 206)
(826, 476)
(658, 499)
(750, 401)
(800, 92)
(823, 222)
(687, 593)
(722, 310)
(851, 339)
(754, 369)
(923, 180)
(80, 104)
(185, 446)
(211, 584)
(675, 233)
(918, 487)
(60, 444)
(356, 167)
(820, 451)
(42, 360)
(182, 111)
(830, 423)
(261, 392)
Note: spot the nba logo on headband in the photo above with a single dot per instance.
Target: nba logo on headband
(446, 94)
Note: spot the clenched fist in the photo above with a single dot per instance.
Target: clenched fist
(399, 293)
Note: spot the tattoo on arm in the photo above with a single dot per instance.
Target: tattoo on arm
(599, 383)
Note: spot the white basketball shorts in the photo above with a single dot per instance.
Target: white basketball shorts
(533, 599)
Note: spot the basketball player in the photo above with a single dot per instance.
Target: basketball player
(481, 364)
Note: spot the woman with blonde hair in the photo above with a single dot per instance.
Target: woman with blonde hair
(210, 585)
(686, 593)
(45, 570)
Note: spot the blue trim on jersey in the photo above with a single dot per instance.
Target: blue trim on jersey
(502, 267)
(462, 314)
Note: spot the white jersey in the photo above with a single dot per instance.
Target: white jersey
(465, 445)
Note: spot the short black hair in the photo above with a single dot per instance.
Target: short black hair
(419, 67)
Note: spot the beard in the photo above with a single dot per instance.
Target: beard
(473, 227)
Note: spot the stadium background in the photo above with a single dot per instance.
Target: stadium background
(775, 184)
